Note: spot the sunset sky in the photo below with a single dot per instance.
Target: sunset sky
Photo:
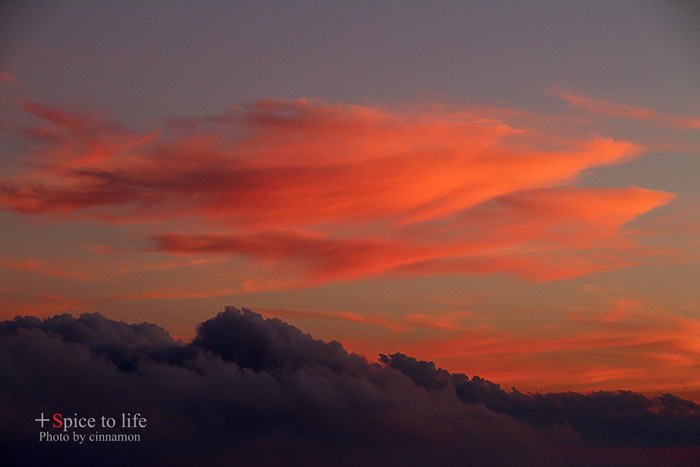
(508, 189)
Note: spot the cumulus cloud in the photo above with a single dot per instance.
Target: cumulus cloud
(257, 391)
(261, 392)
(338, 191)
(614, 417)
(623, 344)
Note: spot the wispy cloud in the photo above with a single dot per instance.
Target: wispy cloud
(333, 315)
(165, 293)
(7, 77)
(342, 191)
(616, 109)
(621, 344)
(45, 305)
(40, 266)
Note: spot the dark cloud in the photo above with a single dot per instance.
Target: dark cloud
(251, 391)
(603, 417)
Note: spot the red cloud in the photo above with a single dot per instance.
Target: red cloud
(344, 191)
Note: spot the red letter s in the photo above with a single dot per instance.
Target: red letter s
(57, 417)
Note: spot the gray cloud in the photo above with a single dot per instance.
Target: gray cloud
(251, 391)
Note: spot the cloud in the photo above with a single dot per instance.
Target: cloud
(258, 391)
(331, 315)
(615, 109)
(42, 267)
(169, 293)
(337, 192)
(626, 343)
(262, 392)
(45, 305)
(7, 77)
(612, 418)
(542, 409)
(300, 162)
(532, 224)
(326, 259)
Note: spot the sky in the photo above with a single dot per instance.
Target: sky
(507, 189)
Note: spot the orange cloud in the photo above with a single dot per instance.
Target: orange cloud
(374, 320)
(620, 348)
(439, 320)
(300, 162)
(325, 258)
(42, 267)
(180, 294)
(614, 109)
(343, 191)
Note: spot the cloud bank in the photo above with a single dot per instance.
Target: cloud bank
(260, 392)
(337, 192)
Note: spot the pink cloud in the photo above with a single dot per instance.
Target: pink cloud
(615, 109)
(342, 191)
(299, 162)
